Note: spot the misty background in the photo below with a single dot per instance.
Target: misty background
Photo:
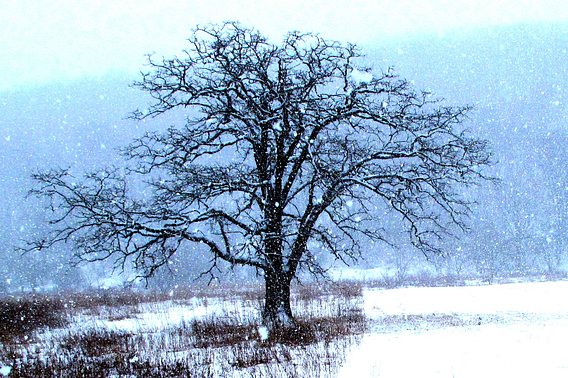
(515, 76)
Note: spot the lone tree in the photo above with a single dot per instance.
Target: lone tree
(283, 145)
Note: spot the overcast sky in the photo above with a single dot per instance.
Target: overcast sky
(42, 41)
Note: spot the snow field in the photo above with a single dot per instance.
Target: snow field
(513, 330)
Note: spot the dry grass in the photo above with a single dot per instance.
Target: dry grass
(225, 345)
(21, 316)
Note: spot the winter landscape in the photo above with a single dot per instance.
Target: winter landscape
(217, 189)
(505, 329)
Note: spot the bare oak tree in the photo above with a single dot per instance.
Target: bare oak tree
(283, 145)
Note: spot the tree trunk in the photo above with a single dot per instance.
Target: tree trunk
(277, 312)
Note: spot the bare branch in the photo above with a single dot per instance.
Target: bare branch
(283, 145)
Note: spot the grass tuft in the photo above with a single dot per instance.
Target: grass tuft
(20, 317)
(96, 342)
(215, 332)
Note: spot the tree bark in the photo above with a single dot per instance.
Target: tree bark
(277, 313)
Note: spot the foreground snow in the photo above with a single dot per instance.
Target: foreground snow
(514, 330)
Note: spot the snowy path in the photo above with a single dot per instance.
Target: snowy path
(515, 330)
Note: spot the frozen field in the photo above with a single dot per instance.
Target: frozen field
(514, 330)
(509, 330)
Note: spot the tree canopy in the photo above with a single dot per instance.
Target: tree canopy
(282, 145)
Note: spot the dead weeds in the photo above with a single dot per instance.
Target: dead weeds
(329, 324)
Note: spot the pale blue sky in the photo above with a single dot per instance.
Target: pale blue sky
(42, 41)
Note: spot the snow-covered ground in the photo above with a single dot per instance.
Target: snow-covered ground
(511, 330)
(514, 330)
